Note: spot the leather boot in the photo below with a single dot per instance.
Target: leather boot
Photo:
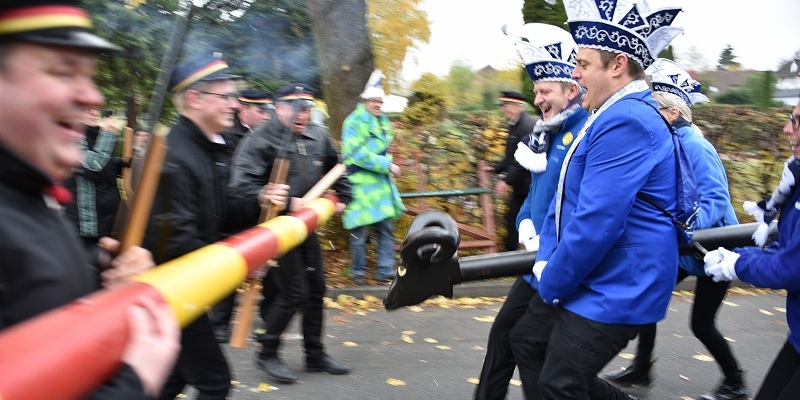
(732, 388)
(637, 374)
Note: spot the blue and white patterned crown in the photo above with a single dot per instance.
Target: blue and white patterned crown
(669, 77)
(548, 52)
(620, 26)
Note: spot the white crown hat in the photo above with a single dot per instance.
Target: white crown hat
(620, 26)
(669, 77)
(548, 52)
(374, 87)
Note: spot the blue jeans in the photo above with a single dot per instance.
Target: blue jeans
(358, 249)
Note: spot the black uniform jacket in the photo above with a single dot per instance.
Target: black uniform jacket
(516, 176)
(191, 206)
(311, 154)
(43, 265)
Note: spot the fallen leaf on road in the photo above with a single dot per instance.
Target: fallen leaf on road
(235, 383)
(684, 377)
(415, 308)
(474, 381)
(780, 309)
(703, 357)
(349, 344)
(728, 303)
(409, 332)
(468, 301)
(361, 313)
(627, 356)
(395, 382)
(444, 305)
(765, 312)
(729, 339)
(479, 348)
(407, 339)
(372, 299)
(484, 318)
(442, 347)
(431, 340)
(264, 387)
(515, 382)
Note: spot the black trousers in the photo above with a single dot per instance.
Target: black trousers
(783, 379)
(511, 241)
(301, 282)
(708, 296)
(498, 366)
(559, 353)
(200, 364)
(222, 312)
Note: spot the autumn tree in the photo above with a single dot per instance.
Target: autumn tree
(460, 87)
(544, 13)
(395, 27)
(426, 104)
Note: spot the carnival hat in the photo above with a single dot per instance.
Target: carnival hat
(296, 93)
(51, 22)
(548, 52)
(258, 98)
(620, 26)
(203, 67)
(374, 87)
(669, 77)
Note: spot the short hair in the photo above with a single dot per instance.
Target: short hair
(634, 70)
(669, 100)
(179, 98)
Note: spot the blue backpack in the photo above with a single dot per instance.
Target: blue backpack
(687, 198)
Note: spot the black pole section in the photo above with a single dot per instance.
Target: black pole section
(498, 265)
(165, 70)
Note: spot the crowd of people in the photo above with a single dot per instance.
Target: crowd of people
(607, 259)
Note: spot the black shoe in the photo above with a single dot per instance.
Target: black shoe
(328, 365)
(275, 368)
(727, 392)
(637, 374)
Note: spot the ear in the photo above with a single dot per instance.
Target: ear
(620, 64)
(572, 91)
(192, 99)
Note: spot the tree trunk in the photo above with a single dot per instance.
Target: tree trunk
(343, 52)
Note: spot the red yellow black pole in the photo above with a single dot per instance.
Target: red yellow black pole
(93, 331)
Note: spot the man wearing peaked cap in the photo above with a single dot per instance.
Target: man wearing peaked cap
(255, 108)
(46, 54)
(606, 283)
(520, 124)
(311, 153)
(192, 190)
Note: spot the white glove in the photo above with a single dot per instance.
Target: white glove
(762, 232)
(534, 162)
(526, 230)
(538, 267)
(532, 244)
(720, 263)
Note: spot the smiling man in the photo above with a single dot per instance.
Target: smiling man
(607, 260)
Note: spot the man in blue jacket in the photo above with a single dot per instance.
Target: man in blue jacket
(541, 151)
(606, 262)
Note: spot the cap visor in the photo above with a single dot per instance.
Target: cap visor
(79, 39)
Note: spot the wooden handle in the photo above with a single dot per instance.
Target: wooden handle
(127, 155)
(142, 202)
(244, 320)
(326, 182)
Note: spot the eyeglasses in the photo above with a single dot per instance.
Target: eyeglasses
(795, 121)
(229, 96)
(376, 101)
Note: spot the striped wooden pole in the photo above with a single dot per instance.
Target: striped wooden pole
(68, 352)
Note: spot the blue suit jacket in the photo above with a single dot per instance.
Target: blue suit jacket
(614, 261)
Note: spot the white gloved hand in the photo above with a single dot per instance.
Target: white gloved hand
(526, 230)
(538, 267)
(532, 244)
(720, 264)
(534, 162)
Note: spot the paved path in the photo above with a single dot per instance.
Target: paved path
(753, 321)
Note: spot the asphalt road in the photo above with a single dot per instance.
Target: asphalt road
(754, 322)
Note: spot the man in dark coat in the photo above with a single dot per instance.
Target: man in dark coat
(311, 154)
(255, 108)
(47, 59)
(191, 204)
(520, 124)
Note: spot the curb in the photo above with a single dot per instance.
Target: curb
(490, 288)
